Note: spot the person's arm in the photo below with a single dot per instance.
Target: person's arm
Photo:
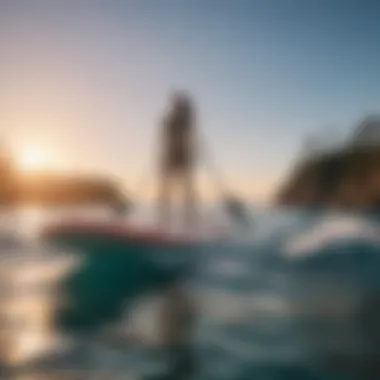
(193, 139)
(163, 136)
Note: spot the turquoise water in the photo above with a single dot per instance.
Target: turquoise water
(295, 297)
(302, 303)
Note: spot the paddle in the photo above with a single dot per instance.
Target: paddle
(235, 207)
(237, 210)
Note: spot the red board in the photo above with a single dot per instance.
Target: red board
(123, 231)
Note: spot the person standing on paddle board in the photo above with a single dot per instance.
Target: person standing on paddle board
(177, 158)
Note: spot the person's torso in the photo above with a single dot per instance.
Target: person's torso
(177, 133)
(178, 125)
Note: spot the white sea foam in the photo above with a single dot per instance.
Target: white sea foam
(330, 230)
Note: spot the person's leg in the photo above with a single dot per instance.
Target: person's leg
(164, 197)
(190, 198)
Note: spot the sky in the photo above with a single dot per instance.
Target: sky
(87, 81)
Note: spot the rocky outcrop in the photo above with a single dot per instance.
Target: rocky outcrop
(55, 189)
(347, 177)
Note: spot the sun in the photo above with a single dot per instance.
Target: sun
(33, 159)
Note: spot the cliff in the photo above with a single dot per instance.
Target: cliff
(347, 177)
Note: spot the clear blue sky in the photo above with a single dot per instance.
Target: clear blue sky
(89, 79)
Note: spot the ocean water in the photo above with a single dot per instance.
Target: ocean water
(294, 297)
